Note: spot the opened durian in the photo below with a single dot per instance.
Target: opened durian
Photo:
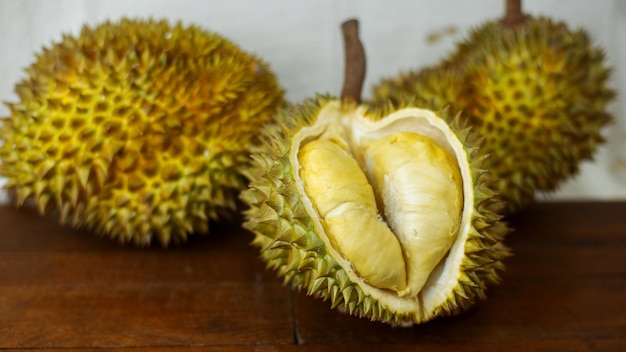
(390, 217)
(535, 89)
(137, 129)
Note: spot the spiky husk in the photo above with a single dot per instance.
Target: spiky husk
(137, 129)
(538, 93)
(288, 242)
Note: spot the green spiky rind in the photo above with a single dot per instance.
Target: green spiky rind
(537, 93)
(430, 87)
(288, 242)
(564, 94)
(137, 129)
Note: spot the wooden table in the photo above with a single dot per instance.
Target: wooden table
(63, 289)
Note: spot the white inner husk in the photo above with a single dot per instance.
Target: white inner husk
(354, 127)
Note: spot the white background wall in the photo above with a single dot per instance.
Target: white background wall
(301, 41)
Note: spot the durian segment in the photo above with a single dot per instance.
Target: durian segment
(137, 129)
(421, 188)
(293, 241)
(538, 93)
(340, 192)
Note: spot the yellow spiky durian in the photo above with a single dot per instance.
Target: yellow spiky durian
(536, 90)
(136, 129)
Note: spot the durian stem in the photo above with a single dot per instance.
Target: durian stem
(354, 73)
(513, 15)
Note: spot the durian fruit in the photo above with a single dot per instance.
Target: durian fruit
(389, 216)
(137, 129)
(537, 91)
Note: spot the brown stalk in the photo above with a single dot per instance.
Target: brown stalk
(354, 74)
(513, 15)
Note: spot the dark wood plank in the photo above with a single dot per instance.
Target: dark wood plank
(567, 309)
(89, 315)
(569, 223)
(481, 346)
(23, 229)
(544, 345)
(68, 288)
(125, 266)
(559, 261)
(35, 249)
(64, 289)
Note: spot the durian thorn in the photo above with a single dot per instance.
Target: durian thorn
(354, 72)
(64, 213)
(513, 15)
(42, 203)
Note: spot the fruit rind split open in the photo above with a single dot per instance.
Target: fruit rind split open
(315, 223)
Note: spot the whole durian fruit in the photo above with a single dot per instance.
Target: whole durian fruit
(536, 90)
(137, 129)
(389, 216)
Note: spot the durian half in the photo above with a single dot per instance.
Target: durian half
(137, 129)
(389, 216)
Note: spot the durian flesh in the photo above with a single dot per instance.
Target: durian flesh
(381, 216)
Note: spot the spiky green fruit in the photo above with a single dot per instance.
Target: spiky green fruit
(137, 129)
(389, 216)
(538, 93)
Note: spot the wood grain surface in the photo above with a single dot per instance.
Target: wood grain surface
(63, 289)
